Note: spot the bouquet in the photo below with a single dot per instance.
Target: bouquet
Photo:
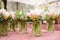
(50, 18)
(22, 20)
(36, 22)
(12, 21)
(3, 22)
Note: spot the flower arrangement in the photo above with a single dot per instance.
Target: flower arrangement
(50, 18)
(12, 21)
(22, 20)
(36, 22)
(58, 19)
(3, 22)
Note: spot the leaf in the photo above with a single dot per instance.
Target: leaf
(1, 18)
(47, 17)
(23, 13)
(17, 14)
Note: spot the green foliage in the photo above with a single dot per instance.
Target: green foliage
(1, 18)
(40, 17)
(47, 17)
(17, 14)
(23, 13)
(20, 15)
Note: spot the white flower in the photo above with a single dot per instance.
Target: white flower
(43, 14)
(35, 12)
(27, 14)
(2, 10)
(5, 15)
(13, 15)
(20, 12)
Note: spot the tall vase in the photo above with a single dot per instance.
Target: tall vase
(36, 29)
(3, 28)
(50, 26)
(23, 27)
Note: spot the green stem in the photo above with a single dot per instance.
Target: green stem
(3, 28)
(50, 26)
(12, 26)
(23, 27)
(37, 28)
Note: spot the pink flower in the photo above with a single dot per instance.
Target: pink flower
(12, 15)
(33, 12)
(2, 10)
(5, 15)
